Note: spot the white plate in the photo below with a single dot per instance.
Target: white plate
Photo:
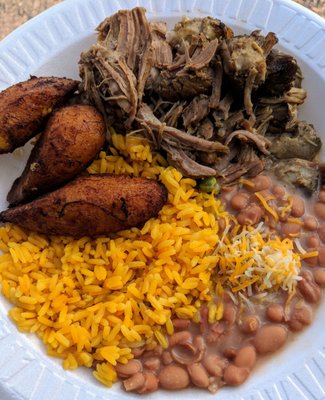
(50, 45)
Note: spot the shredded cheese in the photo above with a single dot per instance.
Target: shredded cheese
(287, 208)
(266, 206)
(309, 255)
(295, 221)
(299, 247)
(294, 235)
(219, 293)
(251, 259)
(246, 182)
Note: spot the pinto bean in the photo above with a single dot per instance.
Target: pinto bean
(298, 206)
(321, 196)
(130, 368)
(313, 240)
(151, 383)
(181, 324)
(278, 191)
(246, 357)
(137, 352)
(250, 215)
(226, 297)
(312, 261)
(135, 382)
(284, 217)
(180, 338)
(216, 331)
(234, 375)
(310, 223)
(261, 182)
(230, 352)
(266, 194)
(174, 378)
(228, 189)
(275, 313)
(319, 209)
(321, 233)
(321, 256)
(290, 228)
(239, 201)
(199, 343)
(156, 351)
(319, 276)
(301, 317)
(152, 363)
(221, 225)
(229, 313)
(270, 338)
(186, 353)
(166, 358)
(270, 221)
(198, 375)
(309, 288)
(152, 346)
(249, 324)
(214, 364)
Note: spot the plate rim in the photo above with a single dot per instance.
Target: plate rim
(9, 46)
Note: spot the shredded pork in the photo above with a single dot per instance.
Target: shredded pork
(215, 103)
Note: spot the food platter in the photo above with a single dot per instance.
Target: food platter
(50, 45)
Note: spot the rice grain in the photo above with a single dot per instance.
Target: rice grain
(92, 300)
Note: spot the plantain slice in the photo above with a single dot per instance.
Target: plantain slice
(72, 138)
(91, 205)
(25, 105)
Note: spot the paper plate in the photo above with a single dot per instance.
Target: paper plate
(50, 44)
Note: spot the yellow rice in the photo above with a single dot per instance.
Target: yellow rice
(92, 300)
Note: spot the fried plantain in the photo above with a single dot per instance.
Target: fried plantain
(25, 105)
(72, 138)
(91, 205)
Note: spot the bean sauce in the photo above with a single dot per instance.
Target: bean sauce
(210, 355)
